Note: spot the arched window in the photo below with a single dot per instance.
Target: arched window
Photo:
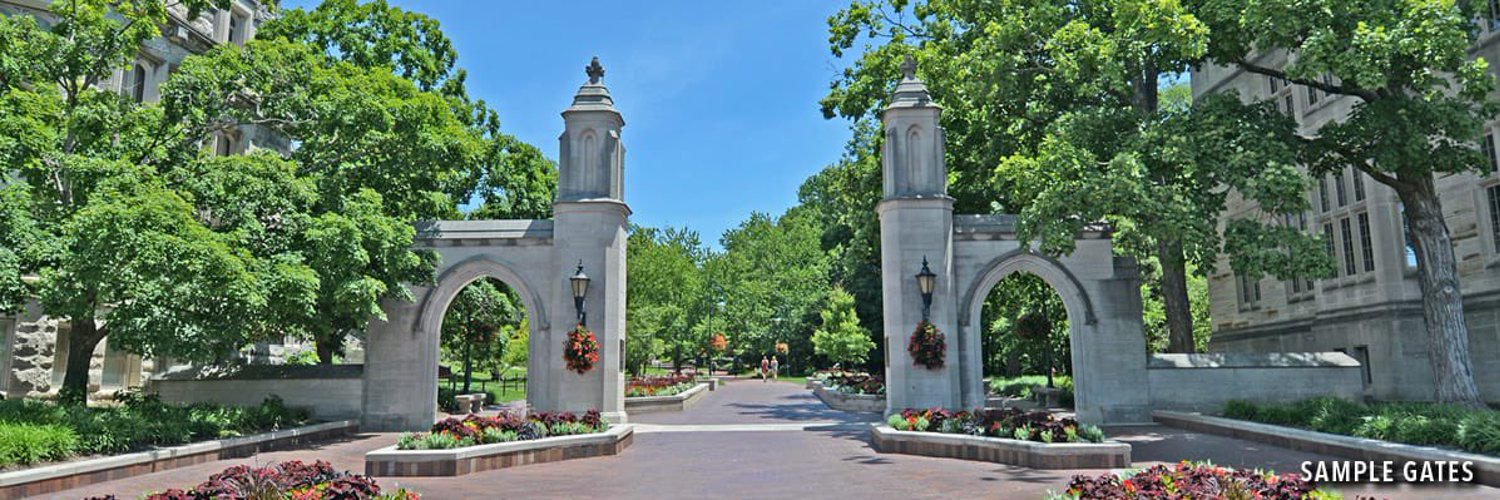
(138, 83)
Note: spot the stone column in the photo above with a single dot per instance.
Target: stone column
(591, 218)
(916, 224)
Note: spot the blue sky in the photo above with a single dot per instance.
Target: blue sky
(720, 98)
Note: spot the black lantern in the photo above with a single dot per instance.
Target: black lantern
(580, 284)
(926, 281)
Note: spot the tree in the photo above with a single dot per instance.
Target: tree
(1054, 111)
(841, 339)
(665, 285)
(1419, 104)
(480, 317)
(774, 273)
(118, 253)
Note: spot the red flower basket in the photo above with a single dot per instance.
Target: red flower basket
(927, 346)
(581, 350)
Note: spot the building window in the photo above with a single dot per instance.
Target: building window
(1323, 193)
(1493, 194)
(236, 29)
(135, 82)
(1249, 291)
(1347, 233)
(1359, 185)
(1487, 147)
(1494, 15)
(224, 146)
(1312, 96)
(1291, 106)
(1276, 82)
(1366, 249)
(1328, 241)
(1338, 187)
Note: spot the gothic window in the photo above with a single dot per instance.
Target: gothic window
(1487, 146)
(1366, 248)
(1347, 233)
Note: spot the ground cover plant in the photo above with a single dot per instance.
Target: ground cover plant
(506, 427)
(39, 431)
(1023, 387)
(287, 480)
(851, 382)
(663, 385)
(1008, 423)
(1427, 424)
(1192, 480)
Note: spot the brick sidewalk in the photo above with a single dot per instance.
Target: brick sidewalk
(830, 459)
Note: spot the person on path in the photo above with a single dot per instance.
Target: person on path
(765, 369)
(775, 367)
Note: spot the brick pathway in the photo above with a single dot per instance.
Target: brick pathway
(773, 440)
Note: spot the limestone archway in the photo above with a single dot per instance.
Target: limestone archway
(970, 254)
(535, 258)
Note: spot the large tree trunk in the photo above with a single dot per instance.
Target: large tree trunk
(326, 348)
(1174, 295)
(83, 337)
(1442, 300)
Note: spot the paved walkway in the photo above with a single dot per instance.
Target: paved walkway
(772, 440)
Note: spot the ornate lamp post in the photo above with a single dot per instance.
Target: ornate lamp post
(926, 281)
(580, 284)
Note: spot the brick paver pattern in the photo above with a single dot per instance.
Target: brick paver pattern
(755, 440)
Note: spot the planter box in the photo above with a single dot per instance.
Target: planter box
(51, 479)
(389, 461)
(869, 403)
(675, 402)
(1486, 468)
(1106, 455)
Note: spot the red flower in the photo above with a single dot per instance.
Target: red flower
(581, 350)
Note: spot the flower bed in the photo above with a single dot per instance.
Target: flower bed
(291, 480)
(963, 435)
(666, 385)
(390, 461)
(1425, 424)
(37, 431)
(1009, 423)
(851, 382)
(476, 430)
(1192, 480)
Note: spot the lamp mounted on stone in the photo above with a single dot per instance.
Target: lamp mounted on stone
(926, 281)
(580, 284)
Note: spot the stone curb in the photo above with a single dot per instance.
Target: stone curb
(389, 461)
(866, 403)
(58, 477)
(676, 402)
(1106, 455)
(1486, 468)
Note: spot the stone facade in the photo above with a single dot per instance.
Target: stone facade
(31, 361)
(1372, 308)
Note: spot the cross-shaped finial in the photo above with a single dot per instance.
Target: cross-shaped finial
(909, 67)
(594, 70)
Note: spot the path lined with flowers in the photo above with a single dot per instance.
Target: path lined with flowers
(751, 439)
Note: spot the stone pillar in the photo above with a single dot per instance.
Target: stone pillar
(916, 224)
(590, 230)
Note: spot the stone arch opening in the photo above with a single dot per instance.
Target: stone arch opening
(440, 300)
(1077, 309)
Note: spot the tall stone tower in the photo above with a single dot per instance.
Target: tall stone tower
(591, 220)
(916, 226)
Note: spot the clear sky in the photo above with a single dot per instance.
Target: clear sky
(720, 97)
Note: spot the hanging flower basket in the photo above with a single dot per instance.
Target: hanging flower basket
(581, 350)
(927, 346)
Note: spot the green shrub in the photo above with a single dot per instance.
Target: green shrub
(1479, 432)
(26, 444)
(1425, 424)
(898, 423)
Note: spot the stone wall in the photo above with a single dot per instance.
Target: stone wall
(1205, 382)
(332, 392)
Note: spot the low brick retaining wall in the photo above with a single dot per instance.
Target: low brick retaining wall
(1106, 455)
(389, 461)
(1205, 382)
(51, 479)
(1486, 469)
(868, 403)
(675, 402)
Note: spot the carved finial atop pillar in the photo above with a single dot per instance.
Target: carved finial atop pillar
(909, 68)
(594, 70)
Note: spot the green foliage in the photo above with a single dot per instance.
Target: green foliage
(479, 323)
(25, 444)
(841, 339)
(666, 292)
(141, 422)
(771, 268)
(1428, 424)
(898, 423)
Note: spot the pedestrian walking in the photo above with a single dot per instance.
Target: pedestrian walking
(775, 367)
(765, 369)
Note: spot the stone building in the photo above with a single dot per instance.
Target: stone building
(31, 358)
(1372, 309)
